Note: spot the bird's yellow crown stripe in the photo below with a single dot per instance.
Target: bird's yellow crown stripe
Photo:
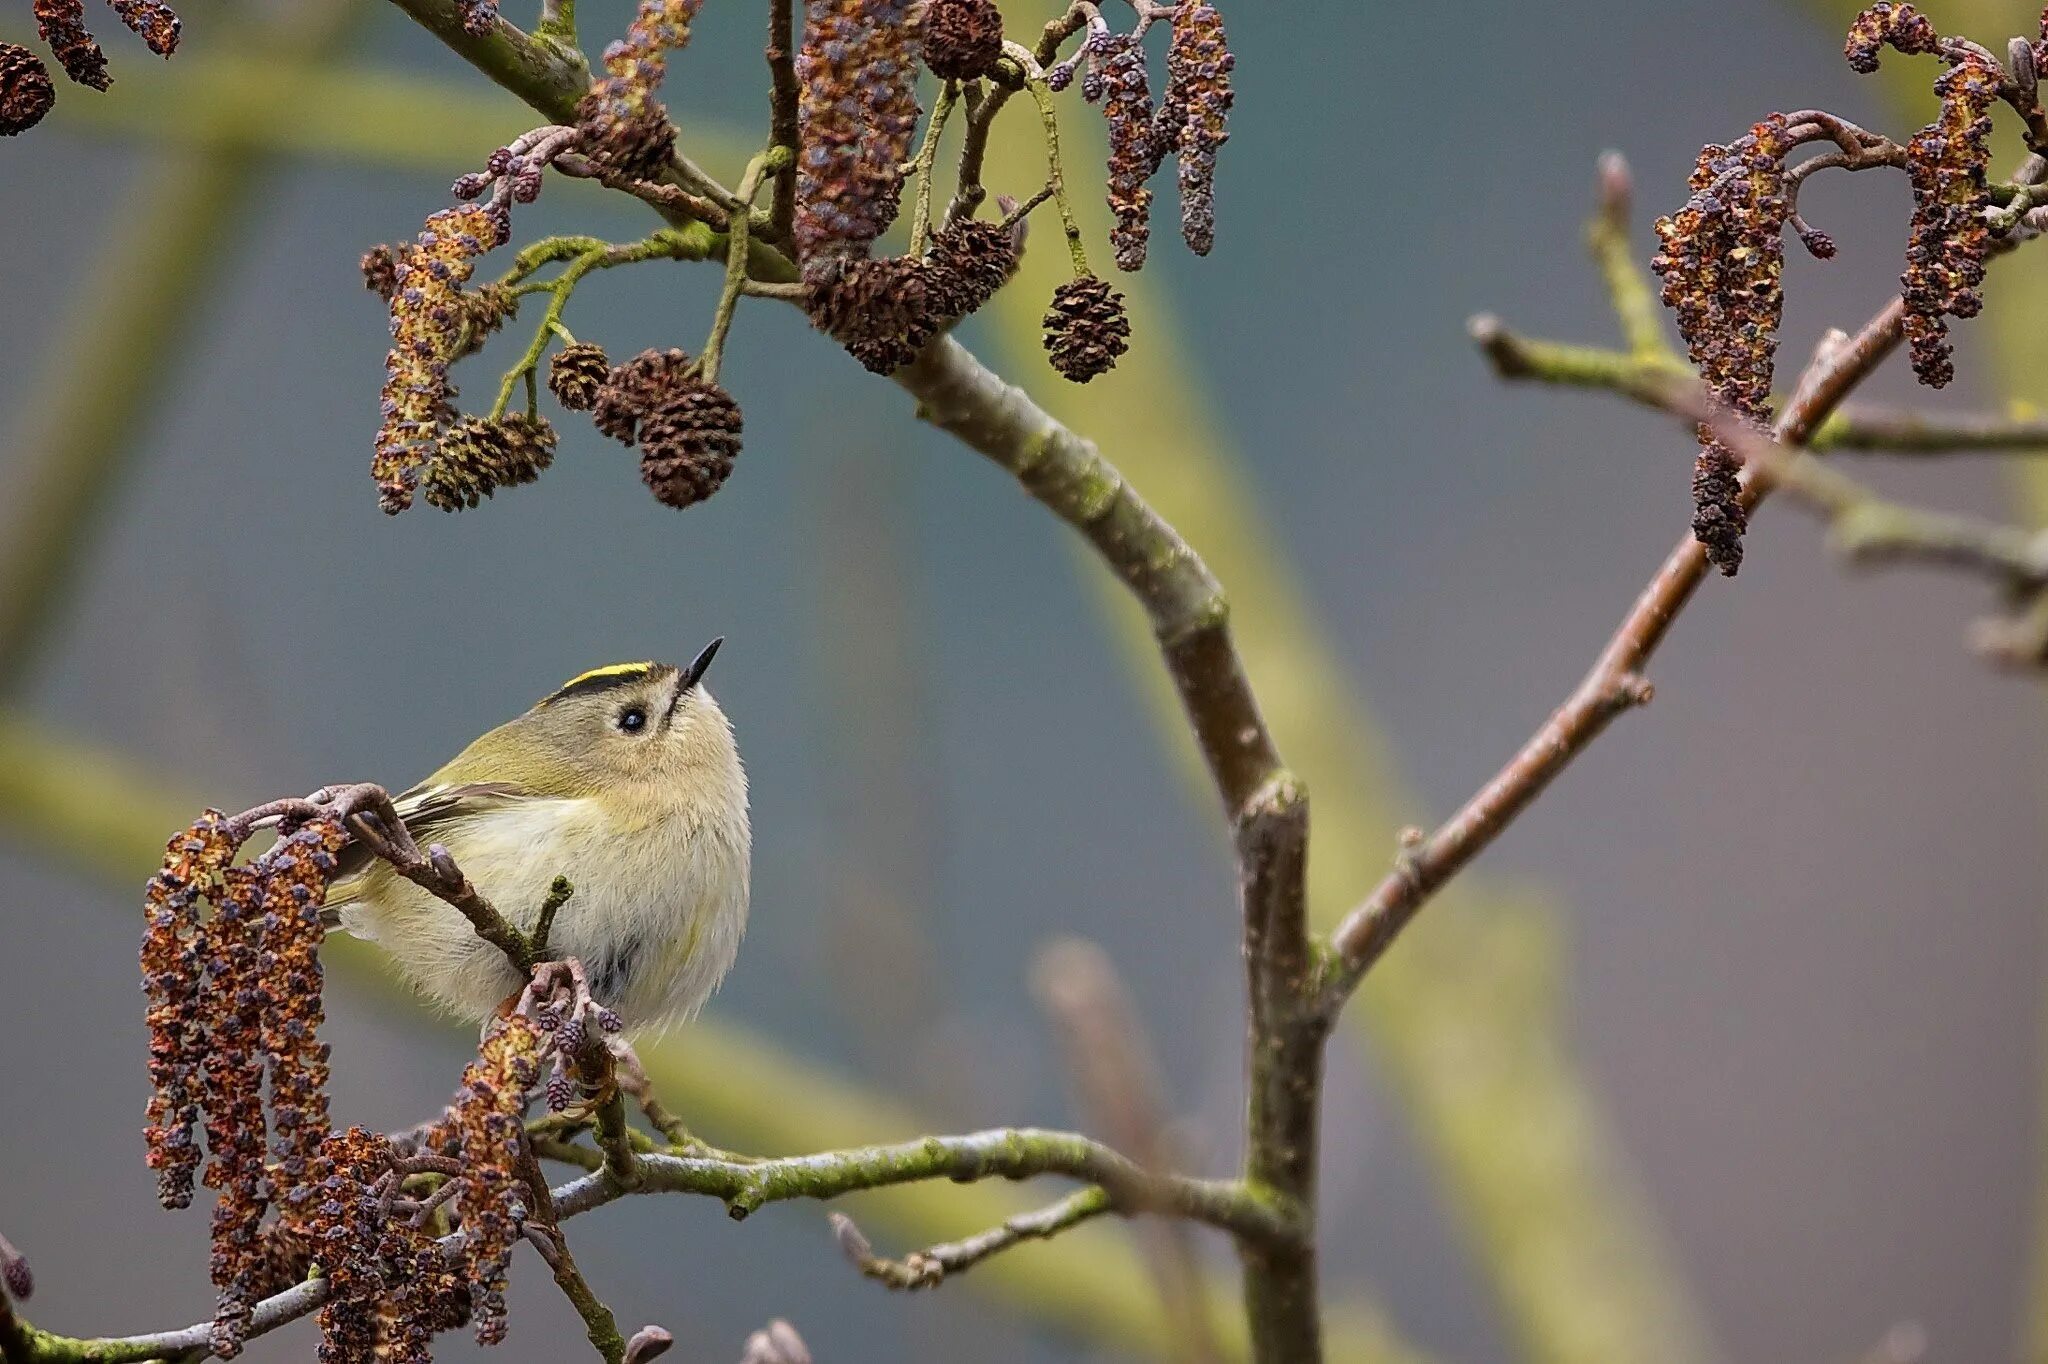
(599, 679)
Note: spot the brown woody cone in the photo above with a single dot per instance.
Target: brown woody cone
(687, 449)
(883, 311)
(26, 93)
(576, 375)
(962, 38)
(969, 262)
(1085, 329)
(637, 388)
(476, 457)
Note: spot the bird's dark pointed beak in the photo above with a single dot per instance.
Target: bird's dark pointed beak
(700, 664)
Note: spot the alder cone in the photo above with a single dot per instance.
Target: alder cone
(963, 39)
(637, 388)
(1085, 329)
(883, 311)
(577, 374)
(969, 262)
(26, 93)
(688, 448)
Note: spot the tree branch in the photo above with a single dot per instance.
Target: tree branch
(1018, 1153)
(1612, 686)
(1628, 288)
(782, 122)
(1666, 384)
(1000, 1153)
(175, 235)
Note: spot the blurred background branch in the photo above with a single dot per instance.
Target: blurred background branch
(116, 356)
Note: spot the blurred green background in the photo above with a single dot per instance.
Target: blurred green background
(1782, 927)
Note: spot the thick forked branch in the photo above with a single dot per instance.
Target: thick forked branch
(1613, 686)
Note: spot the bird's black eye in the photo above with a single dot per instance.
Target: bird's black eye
(633, 719)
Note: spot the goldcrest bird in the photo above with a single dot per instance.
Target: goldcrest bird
(626, 781)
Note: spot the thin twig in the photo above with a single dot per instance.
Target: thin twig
(736, 257)
(559, 891)
(1628, 289)
(545, 1234)
(926, 163)
(1055, 173)
(1614, 685)
(782, 120)
(1668, 385)
(586, 254)
(930, 1267)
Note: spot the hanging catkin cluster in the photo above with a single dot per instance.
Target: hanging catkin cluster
(227, 959)
(1126, 98)
(484, 1124)
(25, 90)
(1950, 238)
(624, 129)
(428, 311)
(1198, 100)
(858, 74)
(1721, 259)
(230, 964)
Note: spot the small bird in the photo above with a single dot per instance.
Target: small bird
(625, 780)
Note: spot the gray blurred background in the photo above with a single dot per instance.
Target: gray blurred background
(1802, 888)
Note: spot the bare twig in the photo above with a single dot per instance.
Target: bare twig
(928, 1268)
(559, 891)
(1628, 289)
(367, 810)
(926, 163)
(1614, 685)
(1002, 1153)
(782, 120)
(544, 1232)
(1666, 384)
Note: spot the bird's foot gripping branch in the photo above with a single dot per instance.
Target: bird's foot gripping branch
(394, 1238)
